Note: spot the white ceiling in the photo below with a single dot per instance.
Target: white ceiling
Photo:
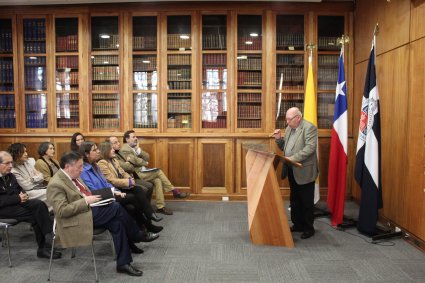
(52, 2)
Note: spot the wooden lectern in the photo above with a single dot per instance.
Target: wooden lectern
(268, 224)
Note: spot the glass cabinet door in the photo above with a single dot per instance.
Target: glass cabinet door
(289, 65)
(179, 72)
(105, 72)
(249, 72)
(67, 80)
(330, 28)
(214, 71)
(35, 72)
(7, 89)
(145, 72)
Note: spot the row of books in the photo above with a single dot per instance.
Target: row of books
(249, 111)
(179, 85)
(144, 42)
(245, 124)
(328, 60)
(106, 73)
(252, 64)
(179, 74)
(214, 59)
(6, 45)
(6, 87)
(290, 59)
(67, 43)
(7, 118)
(35, 61)
(182, 105)
(36, 102)
(98, 87)
(36, 120)
(35, 78)
(249, 97)
(285, 105)
(34, 30)
(106, 123)
(328, 74)
(290, 74)
(34, 47)
(184, 59)
(104, 60)
(214, 42)
(249, 79)
(291, 96)
(66, 97)
(64, 62)
(144, 81)
(175, 41)
(180, 121)
(293, 41)
(291, 85)
(106, 107)
(7, 101)
(73, 122)
(326, 85)
(6, 74)
(220, 123)
(67, 110)
(328, 43)
(108, 43)
(67, 78)
(110, 96)
(145, 63)
(145, 125)
(249, 43)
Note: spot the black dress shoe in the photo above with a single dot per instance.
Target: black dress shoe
(45, 253)
(181, 195)
(155, 217)
(135, 249)
(295, 229)
(306, 235)
(149, 237)
(129, 270)
(165, 211)
(153, 228)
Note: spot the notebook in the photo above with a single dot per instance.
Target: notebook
(106, 194)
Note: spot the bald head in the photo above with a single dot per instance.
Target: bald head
(293, 117)
(6, 162)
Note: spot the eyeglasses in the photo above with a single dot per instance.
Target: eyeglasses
(290, 119)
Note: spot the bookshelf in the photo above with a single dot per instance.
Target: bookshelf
(290, 59)
(105, 71)
(35, 72)
(214, 99)
(145, 72)
(249, 72)
(7, 89)
(179, 72)
(67, 73)
(329, 28)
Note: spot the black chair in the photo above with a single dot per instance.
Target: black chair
(5, 224)
(96, 232)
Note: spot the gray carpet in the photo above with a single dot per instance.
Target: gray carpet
(209, 242)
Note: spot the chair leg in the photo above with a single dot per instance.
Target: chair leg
(94, 262)
(72, 252)
(111, 241)
(6, 233)
(51, 256)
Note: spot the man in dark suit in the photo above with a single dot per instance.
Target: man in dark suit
(300, 145)
(76, 214)
(15, 204)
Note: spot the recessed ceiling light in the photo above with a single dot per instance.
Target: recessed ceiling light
(146, 61)
(184, 36)
(254, 34)
(105, 36)
(248, 42)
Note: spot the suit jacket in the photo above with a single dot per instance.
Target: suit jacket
(111, 174)
(9, 194)
(43, 167)
(74, 220)
(304, 148)
(137, 160)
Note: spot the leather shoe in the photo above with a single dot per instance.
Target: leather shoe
(295, 229)
(306, 235)
(149, 237)
(129, 270)
(181, 195)
(45, 253)
(153, 228)
(165, 211)
(135, 249)
(155, 217)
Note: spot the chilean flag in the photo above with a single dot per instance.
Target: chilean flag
(337, 172)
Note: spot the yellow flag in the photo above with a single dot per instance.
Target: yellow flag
(310, 114)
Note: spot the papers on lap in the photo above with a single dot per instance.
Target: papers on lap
(106, 194)
(144, 169)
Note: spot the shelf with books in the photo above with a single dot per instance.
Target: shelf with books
(290, 32)
(34, 32)
(249, 71)
(105, 72)
(250, 32)
(145, 73)
(287, 100)
(66, 34)
(35, 77)
(179, 73)
(67, 110)
(214, 109)
(290, 69)
(145, 33)
(249, 106)
(105, 110)
(6, 73)
(179, 110)
(179, 33)
(36, 110)
(6, 37)
(325, 110)
(214, 32)
(327, 73)
(104, 33)
(329, 28)
(145, 110)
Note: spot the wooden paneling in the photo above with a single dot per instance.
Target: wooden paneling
(417, 22)
(393, 19)
(415, 157)
(149, 145)
(215, 164)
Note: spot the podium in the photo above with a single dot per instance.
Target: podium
(268, 224)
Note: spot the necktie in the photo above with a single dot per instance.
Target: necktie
(82, 189)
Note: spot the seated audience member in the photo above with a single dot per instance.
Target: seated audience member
(132, 152)
(15, 203)
(135, 204)
(46, 163)
(76, 214)
(76, 140)
(31, 180)
(129, 168)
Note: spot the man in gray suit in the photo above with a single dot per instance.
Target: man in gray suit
(299, 144)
